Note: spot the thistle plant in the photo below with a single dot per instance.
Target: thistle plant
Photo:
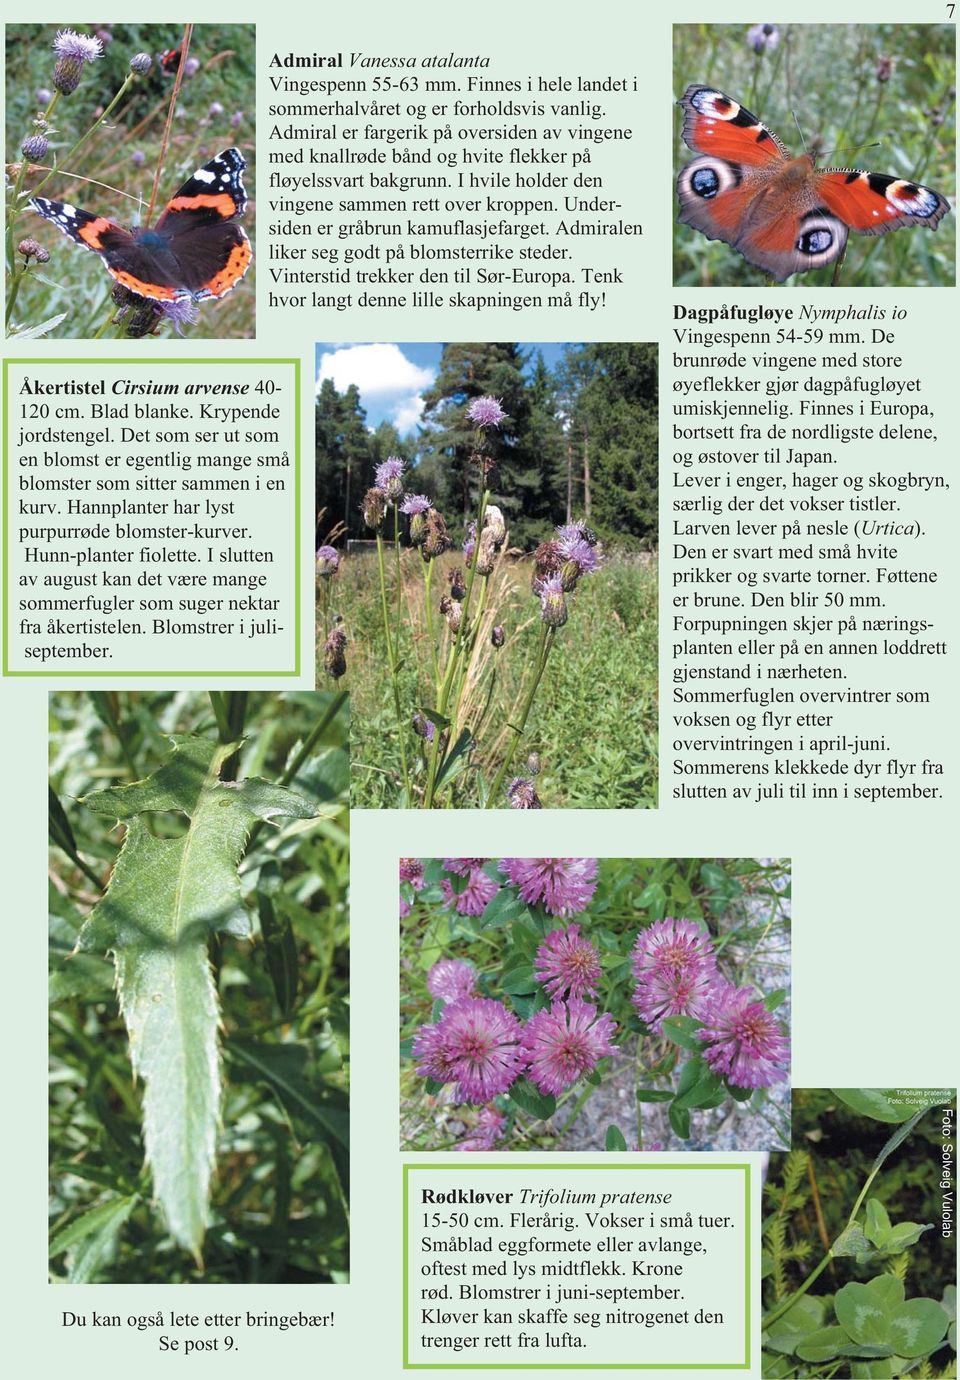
(537, 993)
(441, 725)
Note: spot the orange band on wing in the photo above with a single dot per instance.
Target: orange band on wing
(222, 202)
(91, 233)
(142, 289)
(236, 267)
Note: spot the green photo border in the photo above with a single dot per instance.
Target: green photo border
(575, 1365)
(58, 673)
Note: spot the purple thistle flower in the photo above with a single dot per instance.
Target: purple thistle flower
(191, 67)
(414, 504)
(763, 38)
(138, 158)
(564, 886)
(565, 1043)
(744, 1042)
(478, 1047)
(567, 964)
(670, 945)
(422, 726)
(214, 109)
(664, 992)
(77, 47)
(553, 606)
(576, 531)
(451, 979)
(388, 478)
(182, 312)
(328, 561)
(490, 1127)
(486, 411)
(411, 870)
(476, 895)
(236, 119)
(44, 95)
(587, 558)
(522, 795)
(470, 541)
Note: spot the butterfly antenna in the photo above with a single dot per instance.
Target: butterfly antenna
(874, 144)
(799, 130)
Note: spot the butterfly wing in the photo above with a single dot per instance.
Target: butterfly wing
(199, 226)
(80, 226)
(873, 203)
(746, 189)
(716, 124)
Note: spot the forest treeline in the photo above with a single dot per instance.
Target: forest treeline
(580, 440)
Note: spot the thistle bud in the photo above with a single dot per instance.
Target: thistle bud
(452, 612)
(34, 147)
(497, 635)
(66, 75)
(31, 249)
(569, 575)
(374, 507)
(458, 586)
(546, 559)
(494, 525)
(486, 554)
(328, 561)
(334, 661)
(435, 540)
(141, 63)
(422, 726)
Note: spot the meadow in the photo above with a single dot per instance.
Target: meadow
(594, 721)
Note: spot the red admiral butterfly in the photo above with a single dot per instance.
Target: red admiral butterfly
(195, 250)
(169, 61)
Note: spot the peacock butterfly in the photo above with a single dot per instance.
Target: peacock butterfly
(783, 214)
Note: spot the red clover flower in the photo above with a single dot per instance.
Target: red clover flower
(563, 886)
(565, 1043)
(744, 1041)
(567, 964)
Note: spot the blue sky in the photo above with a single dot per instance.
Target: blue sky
(393, 377)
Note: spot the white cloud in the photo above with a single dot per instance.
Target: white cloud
(389, 383)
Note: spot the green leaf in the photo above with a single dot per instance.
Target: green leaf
(852, 1242)
(614, 1139)
(654, 1095)
(281, 953)
(519, 980)
(699, 1086)
(530, 1099)
(877, 1225)
(804, 1317)
(863, 1309)
(679, 1120)
(503, 907)
(917, 1327)
(822, 1345)
(91, 1238)
(457, 758)
(165, 898)
(775, 999)
(680, 1030)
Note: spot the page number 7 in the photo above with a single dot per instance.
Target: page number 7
(950, 10)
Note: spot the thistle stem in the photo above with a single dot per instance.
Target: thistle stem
(392, 661)
(547, 636)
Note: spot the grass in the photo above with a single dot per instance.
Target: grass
(112, 175)
(594, 721)
(912, 115)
